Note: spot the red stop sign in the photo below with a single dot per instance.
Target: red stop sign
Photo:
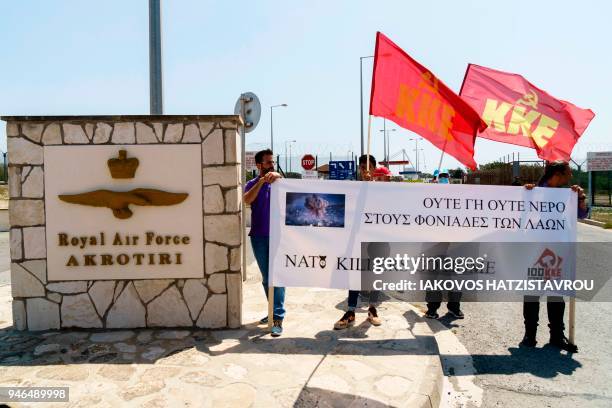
(308, 162)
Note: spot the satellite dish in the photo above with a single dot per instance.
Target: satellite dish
(252, 110)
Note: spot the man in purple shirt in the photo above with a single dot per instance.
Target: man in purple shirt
(257, 194)
(556, 174)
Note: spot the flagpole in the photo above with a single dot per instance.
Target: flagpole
(572, 320)
(441, 156)
(270, 307)
(446, 141)
(369, 139)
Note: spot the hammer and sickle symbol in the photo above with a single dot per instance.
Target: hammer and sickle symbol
(529, 99)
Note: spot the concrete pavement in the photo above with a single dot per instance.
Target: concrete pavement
(482, 351)
(406, 362)
(396, 364)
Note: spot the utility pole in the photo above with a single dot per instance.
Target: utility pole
(155, 59)
(361, 97)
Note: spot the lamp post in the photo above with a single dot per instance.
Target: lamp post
(361, 94)
(416, 150)
(284, 105)
(288, 141)
(386, 143)
(417, 156)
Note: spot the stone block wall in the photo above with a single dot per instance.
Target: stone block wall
(211, 302)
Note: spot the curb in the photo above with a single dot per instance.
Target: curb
(457, 388)
(432, 389)
(592, 222)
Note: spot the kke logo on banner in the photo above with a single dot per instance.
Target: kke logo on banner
(308, 162)
(410, 95)
(425, 107)
(547, 267)
(516, 118)
(519, 113)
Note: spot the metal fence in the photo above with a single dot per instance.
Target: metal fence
(602, 188)
(505, 174)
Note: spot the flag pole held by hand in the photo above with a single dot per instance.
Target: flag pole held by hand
(270, 307)
(572, 320)
(369, 138)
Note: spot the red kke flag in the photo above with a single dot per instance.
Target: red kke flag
(407, 93)
(519, 113)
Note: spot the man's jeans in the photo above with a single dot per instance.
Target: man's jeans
(353, 296)
(434, 300)
(261, 249)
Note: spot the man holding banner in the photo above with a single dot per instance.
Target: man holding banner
(257, 194)
(367, 171)
(556, 174)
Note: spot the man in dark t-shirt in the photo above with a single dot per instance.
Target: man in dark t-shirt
(557, 174)
(257, 194)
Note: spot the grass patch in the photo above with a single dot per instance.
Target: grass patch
(603, 215)
(4, 193)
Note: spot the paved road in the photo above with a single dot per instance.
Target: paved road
(513, 377)
(543, 377)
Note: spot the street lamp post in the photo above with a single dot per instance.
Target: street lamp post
(361, 94)
(416, 150)
(288, 141)
(386, 143)
(417, 156)
(290, 155)
(272, 124)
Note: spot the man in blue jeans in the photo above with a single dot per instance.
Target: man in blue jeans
(366, 173)
(257, 194)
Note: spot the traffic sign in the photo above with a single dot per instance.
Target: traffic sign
(308, 162)
(249, 109)
(341, 170)
(310, 175)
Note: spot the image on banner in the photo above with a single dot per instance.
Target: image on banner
(315, 210)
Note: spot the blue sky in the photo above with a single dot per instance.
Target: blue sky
(85, 57)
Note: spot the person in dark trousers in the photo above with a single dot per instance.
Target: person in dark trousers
(257, 194)
(556, 174)
(348, 318)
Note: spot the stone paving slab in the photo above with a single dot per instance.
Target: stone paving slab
(396, 364)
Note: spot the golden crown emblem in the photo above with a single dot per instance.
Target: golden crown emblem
(122, 167)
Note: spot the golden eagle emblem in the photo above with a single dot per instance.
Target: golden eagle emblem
(119, 201)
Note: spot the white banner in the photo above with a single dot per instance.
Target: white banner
(317, 227)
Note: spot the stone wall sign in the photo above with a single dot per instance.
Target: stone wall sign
(125, 221)
(124, 212)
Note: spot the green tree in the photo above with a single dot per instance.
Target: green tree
(493, 165)
(457, 173)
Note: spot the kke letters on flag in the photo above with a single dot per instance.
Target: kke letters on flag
(519, 113)
(407, 93)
